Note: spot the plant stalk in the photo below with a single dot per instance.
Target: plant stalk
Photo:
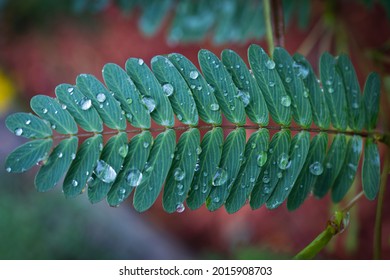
(278, 19)
(379, 208)
(268, 27)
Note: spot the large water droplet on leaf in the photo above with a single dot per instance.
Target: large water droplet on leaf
(101, 97)
(220, 177)
(134, 177)
(214, 107)
(194, 74)
(285, 101)
(123, 150)
(18, 131)
(180, 208)
(168, 89)
(283, 161)
(149, 103)
(270, 64)
(261, 158)
(244, 97)
(85, 104)
(105, 172)
(178, 174)
(316, 168)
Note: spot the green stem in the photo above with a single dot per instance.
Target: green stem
(268, 27)
(379, 208)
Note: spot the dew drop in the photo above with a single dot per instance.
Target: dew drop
(60, 155)
(146, 144)
(105, 172)
(194, 74)
(197, 167)
(270, 64)
(123, 150)
(8, 169)
(220, 177)
(85, 104)
(214, 107)
(244, 97)
(266, 179)
(18, 131)
(285, 101)
(287, 80)
(330, 90)
(74, 183)
(73, 156)
(261, 158)
(70, 89)
(216, 199)
(44, 110)
(253, 145)
(328, 165)
(271, 83)
(149, 103)
(283, 161)
(180, 208)
(316, 168)
(63, 106)
(355, 105)
(140, 61)
(279, 175)
(101, 97)
(198, 150)
(178, 174)
(129, 101)
(133, 177)
(306, 93)
(168, 89)
(28, 122)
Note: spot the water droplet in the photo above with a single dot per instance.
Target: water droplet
(134, 177)
(205, 174)
(261, 158)
(285, 101)
(330, 90)
(194, 74)
(60, 155)
(63, 106)
(253, 145)
(28, 122)
(129, 101)
(352, 166)
(220, 177)
(244, 97)
(178, 174)
(146, 144)
(123, 150)
(44, 110)
(283, 161)
(140, 61)
(74, 183)
(216, 199)
(328, 165)
(198, 150)
(180, 208)
(316, 168)
(214, 107)
(53, 126)
(328, 82)
(149, 103)
(105, 172)
(70, 89)
(85, 104)
(101, 97)
(18, 131)
(306, 93)
(355, 105)
(271, 83)
(179, 117)
(266, 178)
(197, 167)
(270, 64)
(287, 80)
(168, 89)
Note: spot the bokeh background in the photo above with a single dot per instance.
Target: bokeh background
(44, 43)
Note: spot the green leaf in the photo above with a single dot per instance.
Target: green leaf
(349, 168)
(82, 166)
(270, 172)
(320, 111)
(332, 165)
(177, 90)
(57, 164)
(152, 94)
(28, 125)
(103, 101)
(371, 169)
(49, 109)
(155, 170)
(153, 15)
(255, 151)
(352, 91)
(297, 156)
(314, 166)
(225, 91)
(26, 156)
(248, 90)
(291, 76)
(71, 98)
(182, 170)
(130, 175)
(271, 86)
(209, 159)
(229, 166)
(127, 94)
(334, 91)
(371, 100)
(111, 160)
(201, 91)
